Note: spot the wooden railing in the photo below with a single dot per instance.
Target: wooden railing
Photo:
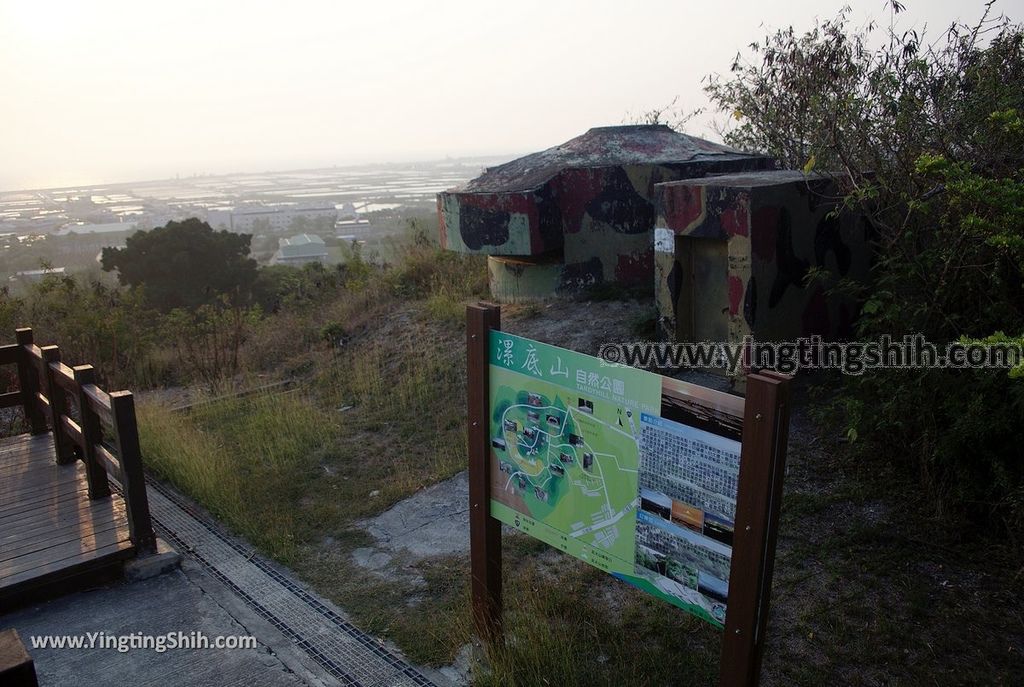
(67, 401)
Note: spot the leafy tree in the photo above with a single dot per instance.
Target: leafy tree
(261, 226)
(322, 224)
(299, 224)
(672, 115)
(92, 322)
(925, 137)
(208, 339)
(286, 287)
(184, 265)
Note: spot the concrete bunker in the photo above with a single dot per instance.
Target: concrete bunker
(733, 252)
(579, 214)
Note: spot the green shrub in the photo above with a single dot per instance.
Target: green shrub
(93, 323)
(926, 139)
(644, 324)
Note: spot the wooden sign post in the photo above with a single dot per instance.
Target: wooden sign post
(762, 467)
(484, 531)
(762, 454)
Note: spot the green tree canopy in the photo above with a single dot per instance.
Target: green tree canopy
(184, 265)
(925, 136)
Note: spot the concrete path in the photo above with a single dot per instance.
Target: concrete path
(169, 603)
(432, 522)
(223, 588)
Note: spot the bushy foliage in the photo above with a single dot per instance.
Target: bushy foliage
(280, 287)
(107, 327)
(184, 265)
(207, 340)
(285, 315)
(926, 138)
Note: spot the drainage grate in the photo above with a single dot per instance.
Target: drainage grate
(352, 657)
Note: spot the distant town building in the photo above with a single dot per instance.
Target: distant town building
(38, 275)
(219, 218)
(268, 218)
(105, 228)
(300, 250)
(347, 212)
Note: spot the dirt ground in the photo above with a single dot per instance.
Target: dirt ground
(869, 590)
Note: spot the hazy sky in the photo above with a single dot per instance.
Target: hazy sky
(101, 91)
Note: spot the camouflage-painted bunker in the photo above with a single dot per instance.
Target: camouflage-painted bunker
(732, 253)
(580, 213)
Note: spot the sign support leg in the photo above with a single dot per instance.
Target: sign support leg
(762, 466)
(484, 531)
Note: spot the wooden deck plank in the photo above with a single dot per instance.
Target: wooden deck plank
(99, 510)
(75, 509)
(39, 462)
(50, 509)
(28, 464)
(17, 489)
(71, 513)
(18, 443)
(89, 543)
(80, 533)
(32, 480)
(9, 485)
(42, 455)
(36, 475)
(38, 481)
(71, 505)
(31, 446)
(50, 531)
(64, 569)
(46, 498)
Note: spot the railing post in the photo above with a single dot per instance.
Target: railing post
(29, 382)
(92, 434)
(62, 444)
(133, 481)
(484, 530)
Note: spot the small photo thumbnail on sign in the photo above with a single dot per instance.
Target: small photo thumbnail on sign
(710, 525)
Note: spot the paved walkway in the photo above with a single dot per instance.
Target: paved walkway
(172, 602)
(223, 588)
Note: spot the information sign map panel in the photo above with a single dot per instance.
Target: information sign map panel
(589, 457)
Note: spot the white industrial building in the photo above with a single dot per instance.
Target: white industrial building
(254, 219)
(105, 228)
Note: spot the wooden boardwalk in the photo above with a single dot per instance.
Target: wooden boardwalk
(61, 525)
(51, 532)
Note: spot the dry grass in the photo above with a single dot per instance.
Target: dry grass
(375, 419)
(865, 593)
(248, 461)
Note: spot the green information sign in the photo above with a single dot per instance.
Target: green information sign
(634, 473)
(584, 459)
